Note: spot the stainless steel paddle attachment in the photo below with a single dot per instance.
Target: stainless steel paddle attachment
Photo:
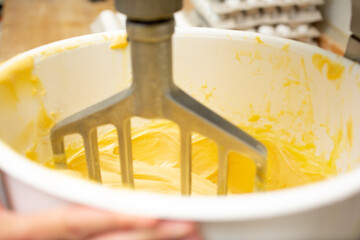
(153, 94)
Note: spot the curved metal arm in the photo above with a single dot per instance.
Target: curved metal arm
(353, 45)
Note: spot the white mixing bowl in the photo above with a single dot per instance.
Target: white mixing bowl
(243, 69)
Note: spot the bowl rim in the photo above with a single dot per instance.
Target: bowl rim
(242, 207)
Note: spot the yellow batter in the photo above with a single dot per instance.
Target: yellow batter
(156, 161)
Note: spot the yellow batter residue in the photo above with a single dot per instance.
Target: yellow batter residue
(58, 49)
(258, 40)
(334, 69)
(119, 42)
(18, 84)
(286, 47)
(18, 75)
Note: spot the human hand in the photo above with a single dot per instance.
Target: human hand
(77, 222)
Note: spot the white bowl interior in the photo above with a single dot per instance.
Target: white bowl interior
(274, 76)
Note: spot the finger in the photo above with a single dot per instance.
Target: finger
(6, 222)
(136, 234)
(175, 230)
(149, 234)
(165, 230)
(120, 221)
(72, 223)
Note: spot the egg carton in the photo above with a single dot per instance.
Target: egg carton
(231, 6)
(112, 21)
(301, 32)
(243, 20)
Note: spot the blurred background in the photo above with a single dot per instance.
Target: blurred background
(25, 24)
